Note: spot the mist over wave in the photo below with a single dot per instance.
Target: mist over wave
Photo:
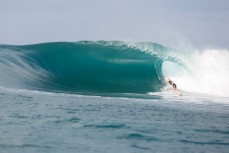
(112, 67)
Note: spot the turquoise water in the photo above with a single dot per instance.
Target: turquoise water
(104, 97)
(94, 67)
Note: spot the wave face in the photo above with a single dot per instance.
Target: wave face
(93, 67)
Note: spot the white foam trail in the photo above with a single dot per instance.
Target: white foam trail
(209, 73)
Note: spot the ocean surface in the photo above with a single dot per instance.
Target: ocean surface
(111, 96)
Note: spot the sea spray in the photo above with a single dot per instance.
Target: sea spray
(208, 72)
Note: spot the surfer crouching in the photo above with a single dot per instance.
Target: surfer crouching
(174, 87)
(172, 84)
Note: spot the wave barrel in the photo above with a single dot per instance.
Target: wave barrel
(92, 67)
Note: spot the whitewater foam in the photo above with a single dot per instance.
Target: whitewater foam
(208, 72)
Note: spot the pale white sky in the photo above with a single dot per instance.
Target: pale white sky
(175, 23)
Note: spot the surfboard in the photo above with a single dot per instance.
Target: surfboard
(176, 92)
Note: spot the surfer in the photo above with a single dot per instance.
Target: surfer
(172, 84)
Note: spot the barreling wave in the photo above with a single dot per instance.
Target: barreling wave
(107, 67)
(102, 66)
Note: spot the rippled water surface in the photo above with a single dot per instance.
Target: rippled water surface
(55, 122)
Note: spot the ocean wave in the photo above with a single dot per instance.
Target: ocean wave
(110, 67)
(82, 67)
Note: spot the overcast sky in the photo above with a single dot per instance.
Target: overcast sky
(175, 23)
